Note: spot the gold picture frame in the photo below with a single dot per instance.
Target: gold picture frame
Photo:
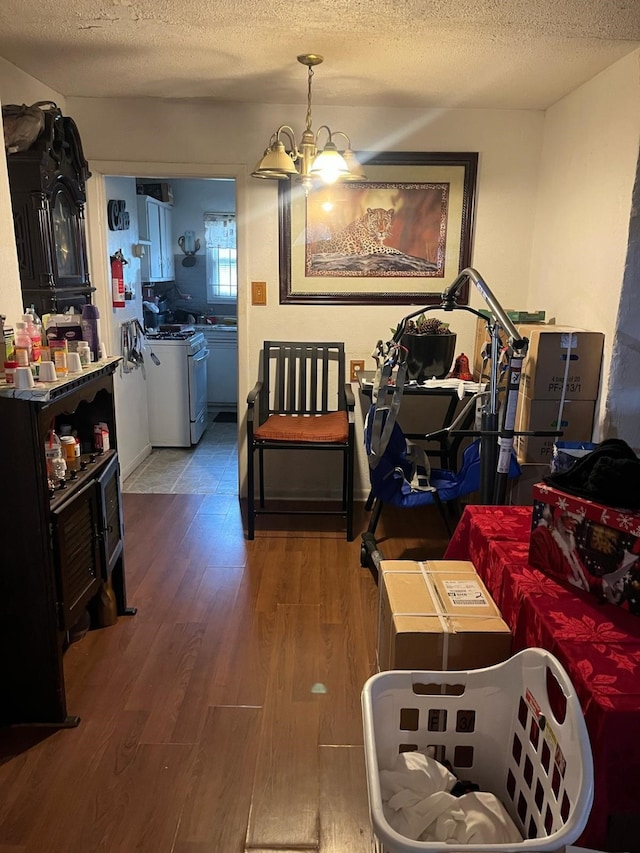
(400, 237)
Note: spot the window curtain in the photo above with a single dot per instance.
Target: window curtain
(220, 240)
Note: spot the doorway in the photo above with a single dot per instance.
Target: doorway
(211, 467)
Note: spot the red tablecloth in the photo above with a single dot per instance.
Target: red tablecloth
(598, 644)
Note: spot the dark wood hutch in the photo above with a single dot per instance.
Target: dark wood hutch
(62, 550)
(47, 186)
(62, 547)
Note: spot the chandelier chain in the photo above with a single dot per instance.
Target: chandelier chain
(309, 76)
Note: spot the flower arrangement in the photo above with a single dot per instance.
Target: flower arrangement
(427, 326)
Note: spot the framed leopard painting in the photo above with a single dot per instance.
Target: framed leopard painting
(400, 236)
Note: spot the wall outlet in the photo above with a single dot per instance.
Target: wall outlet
(354, 368)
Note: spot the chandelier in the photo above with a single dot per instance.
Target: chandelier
(307, 161)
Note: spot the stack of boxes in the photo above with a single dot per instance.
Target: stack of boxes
(543, 388)
(558, 391)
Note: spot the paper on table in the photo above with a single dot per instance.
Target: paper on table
(460, 385)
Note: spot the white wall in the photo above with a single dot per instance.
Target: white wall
(588, 164)
(10, 296)
(192, 199)
(129, 388)
(621, 410)
(16, 87)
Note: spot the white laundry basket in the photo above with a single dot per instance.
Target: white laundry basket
(496, 727)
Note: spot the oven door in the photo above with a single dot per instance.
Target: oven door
(198, 394)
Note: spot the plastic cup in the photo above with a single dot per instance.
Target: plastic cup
(74, 364)
(47, 372)
(24, 378)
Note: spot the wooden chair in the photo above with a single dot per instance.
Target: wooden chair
(301, 402)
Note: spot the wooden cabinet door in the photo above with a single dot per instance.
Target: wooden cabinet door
(155, 236)
(166, 248)
(155, 225)
(75, 527)
(111, 526)
(222, 369)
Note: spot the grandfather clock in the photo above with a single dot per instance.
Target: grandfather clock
(47, 184)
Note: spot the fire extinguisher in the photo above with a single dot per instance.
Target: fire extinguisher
(117, 279)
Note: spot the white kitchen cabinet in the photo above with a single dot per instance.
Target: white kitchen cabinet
(155, 226)
(222, 368)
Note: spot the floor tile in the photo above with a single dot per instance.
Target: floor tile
(210, 468)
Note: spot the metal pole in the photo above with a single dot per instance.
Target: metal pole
(508, 427)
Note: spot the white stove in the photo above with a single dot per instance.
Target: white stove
(176, 386)
(189, 337)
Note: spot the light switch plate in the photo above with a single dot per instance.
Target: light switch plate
(258, 292)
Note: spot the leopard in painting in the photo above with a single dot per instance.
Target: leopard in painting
(363, 236)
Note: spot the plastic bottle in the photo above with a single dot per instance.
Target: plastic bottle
(58, 350)
(10, 371)
(58, 469)
(53, 453)
(35, 334)
(22, 345)
(84, 351)
(91, 329)
(38, 328)
(70, 452)
(36, 320)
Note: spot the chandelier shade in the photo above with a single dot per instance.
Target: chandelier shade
(275, 163)
(307, 161)
(329, 165)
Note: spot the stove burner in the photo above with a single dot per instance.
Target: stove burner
(182, 335)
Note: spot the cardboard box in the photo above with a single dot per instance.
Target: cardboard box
(543, 369)
(576, 425)
(587, 545)
(161, 191)
(518, 316)
(437, 615)
(524, 318)
(521, 490)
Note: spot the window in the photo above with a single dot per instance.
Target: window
(222, 271)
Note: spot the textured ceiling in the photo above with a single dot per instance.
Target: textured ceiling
(413, 53)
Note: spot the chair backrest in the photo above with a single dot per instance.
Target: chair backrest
(302, 377)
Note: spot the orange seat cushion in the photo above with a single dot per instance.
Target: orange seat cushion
(332, 428)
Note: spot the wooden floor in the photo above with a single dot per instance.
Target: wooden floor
(225, 715)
